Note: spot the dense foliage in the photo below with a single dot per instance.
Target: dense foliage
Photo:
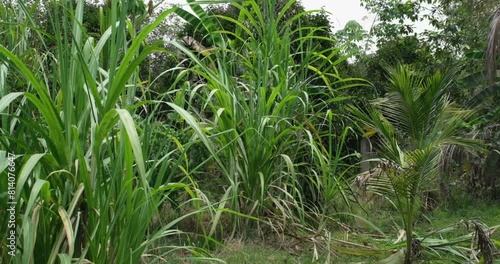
(126, 139)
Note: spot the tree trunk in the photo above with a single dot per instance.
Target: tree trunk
(408, 252)
(365, 150)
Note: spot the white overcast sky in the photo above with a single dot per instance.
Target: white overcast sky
(342, 12)
(345, 10)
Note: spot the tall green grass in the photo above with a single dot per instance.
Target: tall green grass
(263, 129)
(83, 165)
(90, 178)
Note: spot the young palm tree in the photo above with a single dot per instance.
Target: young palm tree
(414, 122)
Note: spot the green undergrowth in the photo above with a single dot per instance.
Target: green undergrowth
(488, 213)
(292, 250)
(238, 251)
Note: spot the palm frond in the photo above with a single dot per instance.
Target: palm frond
(414, 123)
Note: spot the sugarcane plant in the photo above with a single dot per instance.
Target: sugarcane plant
(71, 138)
(257, 118)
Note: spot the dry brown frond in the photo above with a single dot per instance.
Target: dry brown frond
(484, 242)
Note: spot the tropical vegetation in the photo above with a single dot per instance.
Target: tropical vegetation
(136, 132)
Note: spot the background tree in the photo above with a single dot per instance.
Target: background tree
(457, 40)
(459, 26)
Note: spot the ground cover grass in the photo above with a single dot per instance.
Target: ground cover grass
(292, 251)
